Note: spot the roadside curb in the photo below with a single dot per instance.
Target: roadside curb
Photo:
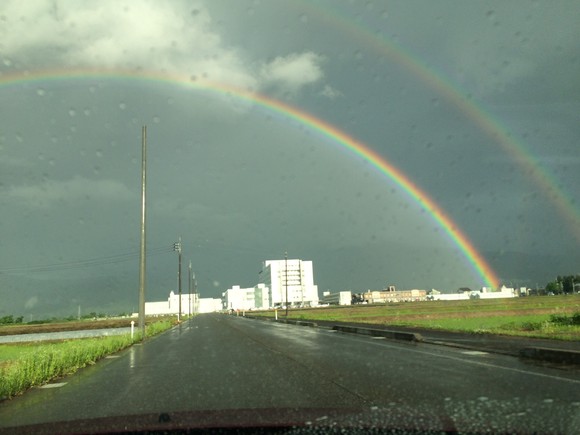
(551, 355)
(297, 322)
(560, 356)
(288, 321)
(395, 335)
(467, 347)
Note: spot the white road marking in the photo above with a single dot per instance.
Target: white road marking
(378, 338)
(55, 385)
(483, 364)
(463, 360)
(112, 356)
(474, 352)
(386, 344)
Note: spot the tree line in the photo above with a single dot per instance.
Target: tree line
(10, 320)
(564, 285)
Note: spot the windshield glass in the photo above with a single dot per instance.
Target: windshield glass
(426, 146)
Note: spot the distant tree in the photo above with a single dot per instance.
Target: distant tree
(7, 320)
(564, 284)
(553, 287)
(570, 283)
(19, 319)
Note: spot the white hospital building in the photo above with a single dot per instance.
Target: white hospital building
(277, 278)
(289, 277)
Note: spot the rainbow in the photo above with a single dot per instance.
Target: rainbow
(476, 113)
(324, 129)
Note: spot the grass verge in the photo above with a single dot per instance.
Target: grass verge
(25, 366)
(553, 317)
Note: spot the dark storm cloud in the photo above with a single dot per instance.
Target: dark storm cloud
(242, 184)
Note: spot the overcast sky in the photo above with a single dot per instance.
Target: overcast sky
(242, 184)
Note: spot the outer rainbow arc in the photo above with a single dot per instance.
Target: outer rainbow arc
(472, 111)
(476, 260)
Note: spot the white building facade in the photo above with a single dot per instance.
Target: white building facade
(209, 305)
(237, 298)
(484, 293)
(262, 296)
(289, 281)
(189, 305)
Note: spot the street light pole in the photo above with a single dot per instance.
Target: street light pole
(189, 289)
(142, 253)
(286, 279)
(177, 247)
(195, 295)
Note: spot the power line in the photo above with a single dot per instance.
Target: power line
(80, 264)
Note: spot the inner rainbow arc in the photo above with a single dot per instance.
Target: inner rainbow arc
(325, 129)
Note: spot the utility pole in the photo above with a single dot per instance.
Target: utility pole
(286, 278)
(300, 281)
(177, 247)
(142, 253)
(189, 289)
(195, 296)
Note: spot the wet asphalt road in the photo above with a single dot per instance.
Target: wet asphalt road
(217, 362)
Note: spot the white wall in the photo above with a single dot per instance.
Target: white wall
(188, 304)
(209, 305)
(504, 292)
(171, 305)
(157, 308)
(237, 298)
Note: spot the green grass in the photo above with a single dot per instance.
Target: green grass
(26, 365)
(537, 326)
(475, 324)
(545, 317)
(10, 352)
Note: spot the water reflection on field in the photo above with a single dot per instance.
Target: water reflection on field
(63, 335)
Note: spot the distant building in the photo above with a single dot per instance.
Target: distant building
(484, 293)
(237, 298)
(293, 278)
(189, 305)
(392, 295)
(340, 298)
(262, 296)
(209, 305)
